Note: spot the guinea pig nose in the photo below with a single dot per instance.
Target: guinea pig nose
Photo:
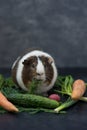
(39, 74)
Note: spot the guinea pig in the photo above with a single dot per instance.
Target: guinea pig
(38, 65)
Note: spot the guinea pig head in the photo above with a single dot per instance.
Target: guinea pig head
(48, 69)
(39, 68)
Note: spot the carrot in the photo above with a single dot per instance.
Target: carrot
(6, 104)
(79, 88)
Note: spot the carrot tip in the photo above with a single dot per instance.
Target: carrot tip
(16, 110)
(7, 105)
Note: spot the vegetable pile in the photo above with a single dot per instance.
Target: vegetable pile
(66, 92)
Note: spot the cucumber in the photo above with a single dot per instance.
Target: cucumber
(30, 100)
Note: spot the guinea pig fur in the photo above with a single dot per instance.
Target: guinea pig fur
(38, 65)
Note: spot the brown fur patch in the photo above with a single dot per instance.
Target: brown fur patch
(48, 68)
(29, 69)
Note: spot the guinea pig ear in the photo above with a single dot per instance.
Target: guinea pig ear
(50, 60)
(25, 62)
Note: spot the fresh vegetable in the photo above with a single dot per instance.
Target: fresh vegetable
(28, 102)
(33, 86)
(31, 100)
(6, 104)
(64, 85)
(8, 82)
(55, 97)
(64, 105)
(36, 110)
(1, 81)
(79, 89)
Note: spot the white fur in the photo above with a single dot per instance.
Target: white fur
(15, 62)
(44, 87)
(40, 69)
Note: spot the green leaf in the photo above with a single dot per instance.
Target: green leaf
(2, 80)
(34, 86)
(9, 82)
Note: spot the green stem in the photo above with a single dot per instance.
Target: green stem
(65, 105)
(69, 94)
(83, 99)
(66, 93)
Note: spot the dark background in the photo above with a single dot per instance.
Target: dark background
(57, 26)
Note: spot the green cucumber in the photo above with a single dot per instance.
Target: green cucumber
(30, 100)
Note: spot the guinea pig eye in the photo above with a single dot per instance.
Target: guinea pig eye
(33, 66)
(45, 65)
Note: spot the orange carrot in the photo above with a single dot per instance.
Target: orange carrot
(79, 89)
(7, 105)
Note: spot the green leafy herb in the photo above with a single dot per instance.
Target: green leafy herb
(65, 85)
(33, 86)
(2, 80)
(36, 110)
(9, 82)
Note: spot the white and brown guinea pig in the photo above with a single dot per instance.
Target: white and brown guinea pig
(35, 64)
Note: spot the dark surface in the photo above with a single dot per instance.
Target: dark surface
(74, 119)
(57, 26)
